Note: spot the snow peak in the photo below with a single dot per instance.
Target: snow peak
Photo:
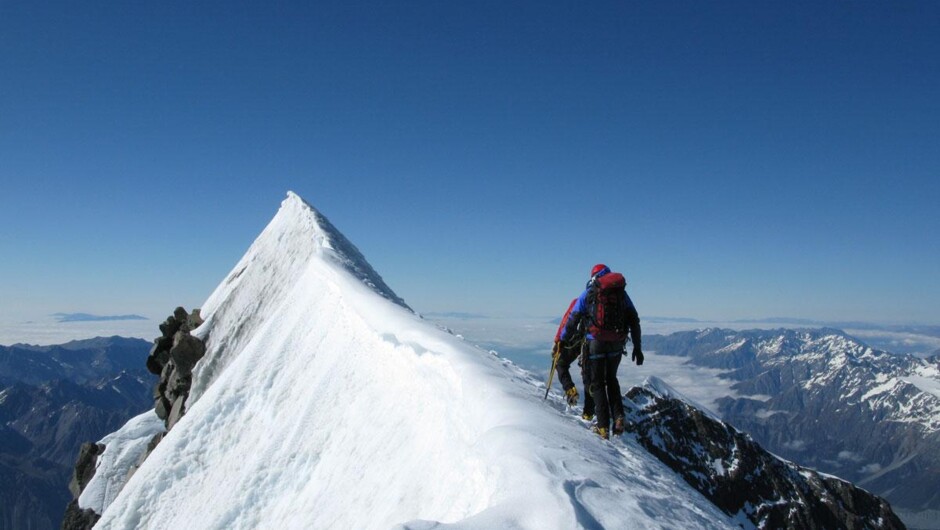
(607, 306)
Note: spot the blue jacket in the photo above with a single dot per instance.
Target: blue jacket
(579, 313)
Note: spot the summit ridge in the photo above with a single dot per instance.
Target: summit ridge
(324, 402)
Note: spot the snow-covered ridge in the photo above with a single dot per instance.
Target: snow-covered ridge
(296, 239)
(659, 388)
(323, 402)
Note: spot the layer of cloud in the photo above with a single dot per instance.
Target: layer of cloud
(47, 330)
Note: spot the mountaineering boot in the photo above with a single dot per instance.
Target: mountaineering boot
(587, 416)
(618, 426)
(601, 431)
(572, 396)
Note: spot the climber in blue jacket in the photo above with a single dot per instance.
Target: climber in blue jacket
(607, 315)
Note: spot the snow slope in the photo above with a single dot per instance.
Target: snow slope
(323, 402)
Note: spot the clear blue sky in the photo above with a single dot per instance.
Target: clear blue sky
(734, 160)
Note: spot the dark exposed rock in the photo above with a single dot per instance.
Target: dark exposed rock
(158, 389)
(75, 517)
(176, 413)
(178, 384)
(85, 467)
(162, 407)
(159, 354)
(162, 343)
(177, 352)
(186, 351)
(739, 476)
(170, 327)
(180, 315)
(79, 519)
(157, 438)
(195, 319)
(153, 366)
(167, 370)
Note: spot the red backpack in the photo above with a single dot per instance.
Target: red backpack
(607, 307)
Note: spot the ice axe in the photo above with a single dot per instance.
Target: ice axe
(556, 351)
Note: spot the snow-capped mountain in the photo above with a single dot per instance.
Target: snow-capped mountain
(826, 400)
(322, 401)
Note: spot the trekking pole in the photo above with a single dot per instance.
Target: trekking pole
(556, 351)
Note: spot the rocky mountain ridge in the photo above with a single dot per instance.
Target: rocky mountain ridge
(739, 476)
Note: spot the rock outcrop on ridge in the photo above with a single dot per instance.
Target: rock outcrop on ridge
(75, 517)
(739, 476)
(172, 357)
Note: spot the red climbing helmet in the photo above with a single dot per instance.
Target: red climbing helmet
(598, 268)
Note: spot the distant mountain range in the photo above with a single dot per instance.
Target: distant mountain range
(826, 400)
(85, 317)
(53, 398)
(80, 361)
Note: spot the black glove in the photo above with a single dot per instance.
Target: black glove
(637, 356)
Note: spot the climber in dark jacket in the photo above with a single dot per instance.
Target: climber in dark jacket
(569, 351)
(603, 354)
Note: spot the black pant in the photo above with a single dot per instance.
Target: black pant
(602, 363)
(563, 365)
